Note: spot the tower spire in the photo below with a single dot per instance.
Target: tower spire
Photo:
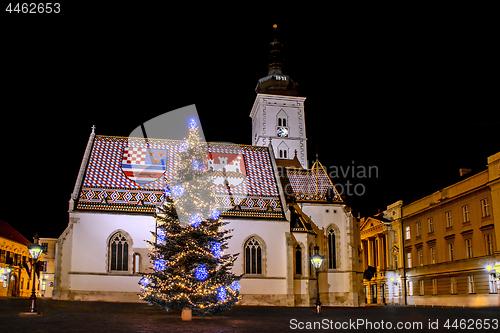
(276, 83)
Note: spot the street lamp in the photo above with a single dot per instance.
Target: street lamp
(317, 261)
(35, 251)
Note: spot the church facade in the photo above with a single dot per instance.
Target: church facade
(278, 208)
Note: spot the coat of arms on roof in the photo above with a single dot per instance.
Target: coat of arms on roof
(143, 165)
(229, 169)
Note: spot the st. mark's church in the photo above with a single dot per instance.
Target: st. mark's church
(278, 207)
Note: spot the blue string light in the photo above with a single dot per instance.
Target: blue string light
(201, 273)
(183, 147)
(195, 220)
(192, 124)
(221, 293)
(216, 250)
(178, 190)
(159, 264)
(197, 165)
(215, 214)
(144, 282)
(235, 286)
(160, 236)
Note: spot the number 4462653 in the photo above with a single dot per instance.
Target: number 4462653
(34, 8)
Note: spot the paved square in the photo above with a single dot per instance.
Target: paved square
(70, 316)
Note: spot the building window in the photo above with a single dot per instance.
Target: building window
(408, 234)
(485, 207)
(451, 252)
(118, 252)
(488, 240)
(298, 260)
(434, 286)
(465, 214)
(395, 261)
(419, 229)
(410, 288)
(453, 285)
(253, 257)
(137, 261)
(332, 255)
(493, 283)
(472, 287)
(468, 248)
(430, 223)
(432, 252)
(420, 256)
(45, 247)
(408, 257)
(449, 223)
(421, 287)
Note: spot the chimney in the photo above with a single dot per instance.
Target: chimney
(464, 171)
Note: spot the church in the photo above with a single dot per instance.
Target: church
(280, 210)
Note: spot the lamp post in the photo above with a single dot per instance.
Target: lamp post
(317, 261)
(35, 251)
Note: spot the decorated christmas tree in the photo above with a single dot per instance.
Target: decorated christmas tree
(190, 268)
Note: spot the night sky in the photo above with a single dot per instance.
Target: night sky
(412, 97)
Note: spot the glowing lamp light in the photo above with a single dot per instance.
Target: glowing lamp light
(317, 259)
(392, 279)
(201, 273)
(35, 251)
(489, 268)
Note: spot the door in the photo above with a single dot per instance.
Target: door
(382, 293)
(374, 293)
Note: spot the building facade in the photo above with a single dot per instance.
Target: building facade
(14, 259)
(444, 247)
(48, 266)
(279, 211)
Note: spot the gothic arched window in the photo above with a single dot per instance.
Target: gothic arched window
(118, 252)
(332, 253)
(253, 256)
(298, 260)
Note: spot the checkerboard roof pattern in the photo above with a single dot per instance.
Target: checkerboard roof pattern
(310, 184)
(106, 187)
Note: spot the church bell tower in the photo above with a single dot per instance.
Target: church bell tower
(278, 111)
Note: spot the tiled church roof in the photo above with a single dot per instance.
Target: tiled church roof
(252, 191)
(309, 185)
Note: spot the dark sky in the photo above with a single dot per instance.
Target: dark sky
(411, 97)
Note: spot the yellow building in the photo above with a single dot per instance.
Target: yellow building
(380, 244)
(441, 249)
(14, 257)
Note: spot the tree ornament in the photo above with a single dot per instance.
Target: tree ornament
(195, 220)
(201, 273)
(192, 124)
(215, 214)
(178, 190)
(159, 264)
(221, 294)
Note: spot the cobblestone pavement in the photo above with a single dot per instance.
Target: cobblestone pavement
(71, 316)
